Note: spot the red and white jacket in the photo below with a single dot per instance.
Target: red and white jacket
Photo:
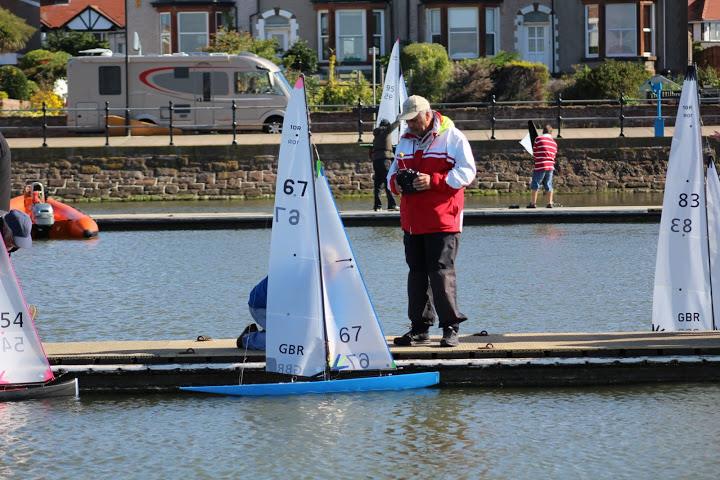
(443, 153)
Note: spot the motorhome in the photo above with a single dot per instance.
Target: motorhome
(201, 88)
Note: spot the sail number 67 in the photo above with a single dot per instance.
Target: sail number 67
(346, 334)
(289, 187)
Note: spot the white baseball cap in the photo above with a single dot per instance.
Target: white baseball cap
(412, 106)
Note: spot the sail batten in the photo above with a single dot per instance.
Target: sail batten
(682, 297)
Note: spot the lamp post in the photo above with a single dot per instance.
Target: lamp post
(127, 73)
(374, 51)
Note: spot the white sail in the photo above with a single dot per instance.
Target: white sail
(682, 294)
(394, 93)
(22, 359)
(713, 211)
(295, 336)
(355, 339)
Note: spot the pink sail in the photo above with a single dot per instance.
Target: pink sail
(22, 358)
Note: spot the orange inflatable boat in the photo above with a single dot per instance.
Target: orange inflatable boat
(53, 219)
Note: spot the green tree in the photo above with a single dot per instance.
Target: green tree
(73, 42)
(430, 69)
(518, 80)
(238, 42)
(44, 67)
(301, 57)
(15, 83)
(14, 32)
(471, 81)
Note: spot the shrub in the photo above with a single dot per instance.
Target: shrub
(301, 57)
(73, 42)
(14, 82)
(471, 81)
(518, 80)
(231, 41)
(708, 76)
(14, 32)
(52, 101)
(44, 67)
(3, 95)
(427, 69)
(503, 58)
(608, 80)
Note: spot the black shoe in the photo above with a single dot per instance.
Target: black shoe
(450, 337)
(412, 338)
(549, 205)
(394, 208)
(532, 205)
(377, 209)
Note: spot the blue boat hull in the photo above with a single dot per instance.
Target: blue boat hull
(368, 384)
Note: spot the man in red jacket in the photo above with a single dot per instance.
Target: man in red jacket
(433, 164)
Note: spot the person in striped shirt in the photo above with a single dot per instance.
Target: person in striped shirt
(544, 152)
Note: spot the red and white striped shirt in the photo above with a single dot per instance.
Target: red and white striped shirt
(544, 151)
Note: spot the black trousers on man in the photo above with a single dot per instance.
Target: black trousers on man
(380, 171)
(431, 280)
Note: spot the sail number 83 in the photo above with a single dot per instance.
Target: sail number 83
(684, 225)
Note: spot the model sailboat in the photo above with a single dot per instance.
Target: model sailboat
(320, 320)
(688, 261)
(394, 93)
(24, 369)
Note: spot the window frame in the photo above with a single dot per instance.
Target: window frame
(644, 29)
(477, 33)
(180, 32)
(363, 36)
(588, 31)
(321, 36)
(166, 35)
(635, 30)
(375, 34)
(495, 11)
(429, 33)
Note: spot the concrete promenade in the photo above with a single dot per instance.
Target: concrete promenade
(318, 138)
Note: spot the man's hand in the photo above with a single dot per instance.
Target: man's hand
(715, 135)
(422, 182)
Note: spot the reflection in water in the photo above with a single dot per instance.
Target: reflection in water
(599, 433)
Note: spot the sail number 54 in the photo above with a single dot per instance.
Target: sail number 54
(5, 321)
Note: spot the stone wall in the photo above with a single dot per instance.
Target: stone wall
(221, 172)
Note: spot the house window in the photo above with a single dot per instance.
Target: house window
(620, 30)
(350, 35)
(224, 21)
(592, 31)
(462, 33)
(434, 33)
(192, 31)
(492, 31)
(378, 39)
(323, 35)
(165, 34)
(648, 29)
(110, 80)
(713, 32)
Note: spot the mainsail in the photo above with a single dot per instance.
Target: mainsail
(315, 289)
(713, 210)
(295, 331)
(682, 296)
(22, 359)
(394, 93)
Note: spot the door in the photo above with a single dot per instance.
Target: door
(537, 46)
(204, 111)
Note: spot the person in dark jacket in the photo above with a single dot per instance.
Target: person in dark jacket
(253, 338)
(5, 182)
(382, 156)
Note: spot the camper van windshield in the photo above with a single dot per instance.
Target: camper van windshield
(280, 79)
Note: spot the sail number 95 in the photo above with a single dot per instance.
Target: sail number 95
(5, 321)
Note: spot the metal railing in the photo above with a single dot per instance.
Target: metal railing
(492, 115)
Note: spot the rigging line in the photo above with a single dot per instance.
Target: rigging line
(315, 172)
